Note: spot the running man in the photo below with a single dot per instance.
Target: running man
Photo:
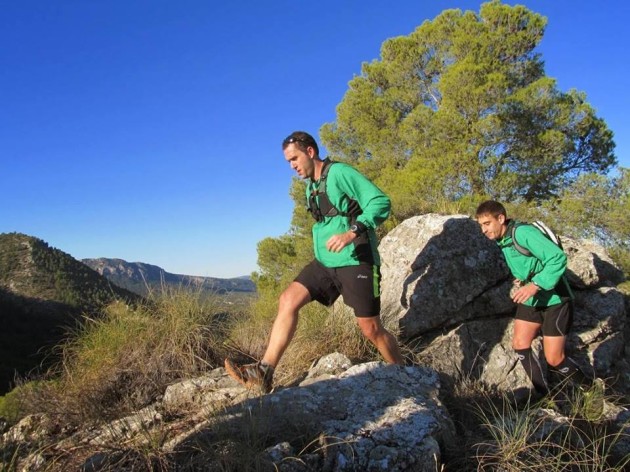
(347, 208)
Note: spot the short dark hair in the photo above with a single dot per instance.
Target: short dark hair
(302, 140)
(490, 207)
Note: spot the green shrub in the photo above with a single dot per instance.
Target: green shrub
(10, 406)
(621, 257)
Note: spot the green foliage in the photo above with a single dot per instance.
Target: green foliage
(596, 207)
(460, 107)
(34, 269)
(14, 405)
(593, 207)
(280, 259)
(43, 293)
(10, 406)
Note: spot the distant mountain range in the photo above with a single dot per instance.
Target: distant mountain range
(141, 278)
(44, 293)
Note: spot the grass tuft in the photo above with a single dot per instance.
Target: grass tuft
(536, 437)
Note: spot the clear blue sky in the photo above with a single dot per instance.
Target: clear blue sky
(150, 130)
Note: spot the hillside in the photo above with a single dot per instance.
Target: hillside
(43, 293)
(140, 277)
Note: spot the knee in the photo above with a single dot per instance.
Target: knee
(289, 302)
(521, 343)
(554, 359)
(286, 299)
(371, 329)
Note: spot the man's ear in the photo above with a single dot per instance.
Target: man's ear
(501, 219)
(310, 150)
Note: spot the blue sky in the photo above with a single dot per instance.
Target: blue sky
(150, 130)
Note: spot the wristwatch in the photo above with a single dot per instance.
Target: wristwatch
(355, 229)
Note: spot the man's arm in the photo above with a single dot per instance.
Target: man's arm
(375, 205)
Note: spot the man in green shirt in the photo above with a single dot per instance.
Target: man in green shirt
(541, 305)
(347, 208)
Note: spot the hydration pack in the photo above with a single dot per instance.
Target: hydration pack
(319, 204)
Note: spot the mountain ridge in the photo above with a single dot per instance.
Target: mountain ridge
(141, 277)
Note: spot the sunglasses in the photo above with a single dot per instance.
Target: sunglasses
(292, 139)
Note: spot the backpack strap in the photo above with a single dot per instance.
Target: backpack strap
(517, 246)
(540, 226)
(320, 206)
(562, 288)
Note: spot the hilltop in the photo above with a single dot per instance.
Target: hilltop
(140, 277)
(43, 293)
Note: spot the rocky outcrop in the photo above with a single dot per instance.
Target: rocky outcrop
(446, 286)
(369, 416)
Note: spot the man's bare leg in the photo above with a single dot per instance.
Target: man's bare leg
(385, 342)
(292, 299)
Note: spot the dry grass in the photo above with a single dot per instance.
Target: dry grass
(557, 434)
(121, 361)
(320, 331)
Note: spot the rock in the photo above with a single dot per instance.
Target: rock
(370, 417)
(438, 271)
(215, 388)
(589, 265)
(327, 367)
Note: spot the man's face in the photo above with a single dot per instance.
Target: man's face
(300, 161)
(492, 227)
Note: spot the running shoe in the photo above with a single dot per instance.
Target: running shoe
(251, 375)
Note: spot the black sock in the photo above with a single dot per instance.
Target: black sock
(533, 369)
(568, 369)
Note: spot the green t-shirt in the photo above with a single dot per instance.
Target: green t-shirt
(344, 182)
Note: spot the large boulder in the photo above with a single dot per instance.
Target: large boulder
(438, 271)
(446, 286)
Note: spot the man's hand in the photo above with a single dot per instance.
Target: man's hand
(337, 242)
(525, 293)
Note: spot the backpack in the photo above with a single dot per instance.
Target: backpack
(325, 207)
(543, 228)
(562, 288)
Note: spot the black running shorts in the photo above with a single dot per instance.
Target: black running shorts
(556, 320)
(359, 285)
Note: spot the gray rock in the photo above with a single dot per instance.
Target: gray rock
(439, 271)
(371, 417)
